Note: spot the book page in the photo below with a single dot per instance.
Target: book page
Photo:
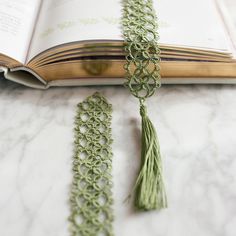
(182, 23)
(17, 19)
(192, 24)
(65, 21)
(229, 19)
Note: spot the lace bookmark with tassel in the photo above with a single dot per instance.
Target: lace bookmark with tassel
(140, 29)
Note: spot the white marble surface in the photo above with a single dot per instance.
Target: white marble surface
(197, 131)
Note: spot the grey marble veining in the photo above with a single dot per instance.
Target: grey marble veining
(197, 131)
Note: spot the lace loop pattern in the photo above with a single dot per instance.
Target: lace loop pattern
(91, 196)
(142, 52)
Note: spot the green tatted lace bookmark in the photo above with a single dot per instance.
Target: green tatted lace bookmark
(91, 196)
(143, 78)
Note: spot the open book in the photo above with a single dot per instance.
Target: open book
(47, 43)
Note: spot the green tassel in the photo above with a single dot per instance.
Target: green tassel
(149, 188)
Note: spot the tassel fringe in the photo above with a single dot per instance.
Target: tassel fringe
(149, 188)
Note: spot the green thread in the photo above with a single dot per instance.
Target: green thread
(91, 196)
(149, 185)
(142, 79)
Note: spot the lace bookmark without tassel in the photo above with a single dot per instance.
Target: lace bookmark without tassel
(91, 195)
(143, 78)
